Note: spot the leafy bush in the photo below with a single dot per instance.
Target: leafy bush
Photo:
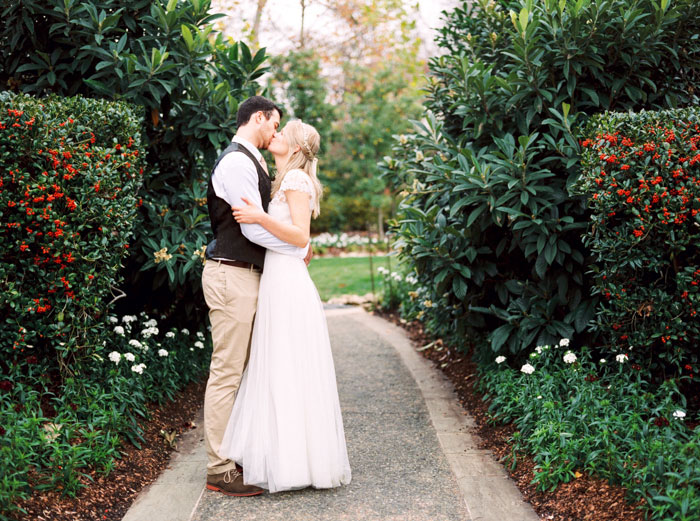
(487, 219)
(576, 414)
(167, 58)
(641, 175)
(51, 437)
(70, 170)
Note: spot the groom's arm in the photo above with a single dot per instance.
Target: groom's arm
(234, 186)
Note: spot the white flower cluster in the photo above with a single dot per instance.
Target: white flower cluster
(115, 357)
(622, 358)
(119, 330)
(500, 359)
(170, 334)
(679, 414)
(162, 352)
(569, 357)
(199, 344)
(138, 368)
(149, 331)
(342, 240)
(129, 318)
(527, 369)
(129, 357)
(113, 320)
(151, 323)
(185, 331)
(138, 345)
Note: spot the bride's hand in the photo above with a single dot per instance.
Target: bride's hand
(248, 214)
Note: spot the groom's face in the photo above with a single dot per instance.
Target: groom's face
(268, 127)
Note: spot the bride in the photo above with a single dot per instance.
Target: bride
(286, 429)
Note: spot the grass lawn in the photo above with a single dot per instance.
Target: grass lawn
(336, 276)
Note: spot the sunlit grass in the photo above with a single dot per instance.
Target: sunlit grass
(336, 276)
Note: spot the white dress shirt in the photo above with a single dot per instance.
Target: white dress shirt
(236, 177)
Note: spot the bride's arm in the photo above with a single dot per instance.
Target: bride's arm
(296, 233)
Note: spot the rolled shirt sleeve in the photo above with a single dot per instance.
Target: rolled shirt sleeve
(233, 188)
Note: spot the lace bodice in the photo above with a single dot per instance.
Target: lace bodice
(295, 180)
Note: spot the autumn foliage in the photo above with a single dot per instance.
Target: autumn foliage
(641, 173)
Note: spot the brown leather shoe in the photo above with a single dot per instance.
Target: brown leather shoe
(231, 484)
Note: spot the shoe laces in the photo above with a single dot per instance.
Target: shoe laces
(231, 475)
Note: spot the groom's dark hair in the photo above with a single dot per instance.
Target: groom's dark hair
(255, 104)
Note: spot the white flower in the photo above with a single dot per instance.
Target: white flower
(129, 357)
(679, 414)
(119, 330)
(382, 270)
(169, 334)
(113, 320)
(115, 357)
(200, 335)
(603, 361)
(128, 318)
(539, 350)
(138, 368)
(185, 331)
(527, 369)
(500, 359)
(151, 323)
(539, 397)
(191, 348)
(533, 355)
(162, 352)
(149, 332)
(199, 344)
(135, 343)
(569, 357)
(622, 358)
(564, 342)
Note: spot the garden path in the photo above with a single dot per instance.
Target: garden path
(412, 452)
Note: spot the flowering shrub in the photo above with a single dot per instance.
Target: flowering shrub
(322, 242)
(578, 414)
(69, 173)
(168, 58)
(53, 439)
(487, 217)
(641, 175)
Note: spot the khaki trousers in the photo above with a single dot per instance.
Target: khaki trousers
(231, 294)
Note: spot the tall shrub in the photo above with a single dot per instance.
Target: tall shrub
(487, 220)
(641, 178)
(166, 57)
(70, 170)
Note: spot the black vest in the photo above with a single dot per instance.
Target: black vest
(229, 242)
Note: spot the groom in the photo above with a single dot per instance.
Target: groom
(232, 274)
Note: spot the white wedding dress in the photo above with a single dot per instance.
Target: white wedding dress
(286, 428)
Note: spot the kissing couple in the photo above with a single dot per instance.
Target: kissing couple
(272, 416)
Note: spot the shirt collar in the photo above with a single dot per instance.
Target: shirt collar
(250, 146)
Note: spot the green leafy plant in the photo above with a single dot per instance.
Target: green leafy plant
(166, 57)
(641, 177)
(487, 219)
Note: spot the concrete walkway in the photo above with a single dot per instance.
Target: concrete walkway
(410, 445)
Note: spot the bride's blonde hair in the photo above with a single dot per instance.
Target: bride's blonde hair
(309, 141)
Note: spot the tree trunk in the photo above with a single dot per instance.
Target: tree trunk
(256, 21)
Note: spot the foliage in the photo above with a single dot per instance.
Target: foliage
(70, 170)
(487, 219)
(167, 58)
(576, 414)
(53, 437)
(641, 176)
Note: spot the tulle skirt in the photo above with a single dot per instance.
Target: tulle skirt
(286, 428)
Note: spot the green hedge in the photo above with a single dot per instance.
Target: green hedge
(487, 219)
(70, 170)
(641, 176)
(166, 57)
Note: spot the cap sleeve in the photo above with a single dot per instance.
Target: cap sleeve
(297, 180)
